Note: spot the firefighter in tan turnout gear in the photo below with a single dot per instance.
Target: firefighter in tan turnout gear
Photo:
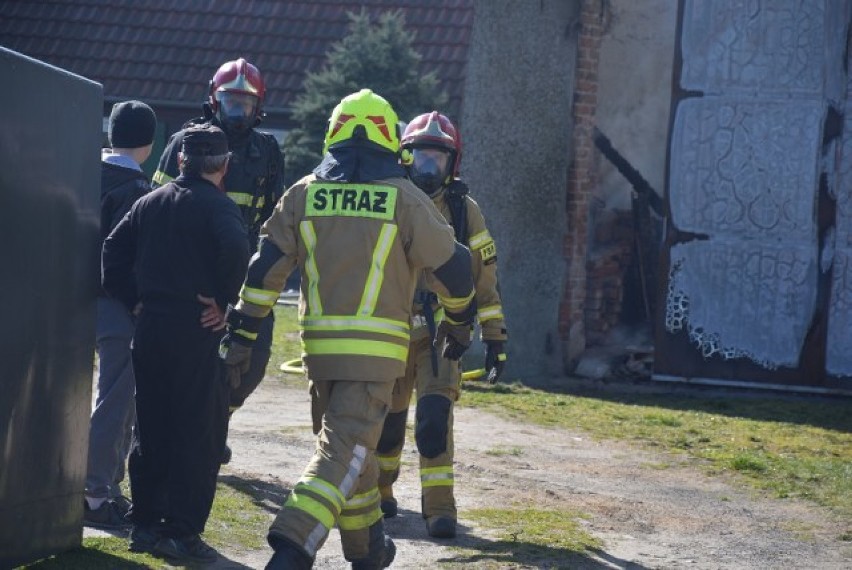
(432, 150)
(360, 233)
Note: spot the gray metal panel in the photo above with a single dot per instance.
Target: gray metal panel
(49, 204)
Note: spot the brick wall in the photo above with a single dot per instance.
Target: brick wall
(610, 257)
(581, 183)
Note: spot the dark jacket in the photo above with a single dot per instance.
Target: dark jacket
(121, 186)
(255, 177)
(180, 240)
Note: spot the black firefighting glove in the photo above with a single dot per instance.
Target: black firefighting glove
(495, 360)
(236, 346)
(455, 332)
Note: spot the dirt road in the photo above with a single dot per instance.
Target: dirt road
(647, 517)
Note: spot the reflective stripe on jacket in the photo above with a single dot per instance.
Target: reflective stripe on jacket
(484, 260)
(359, 248)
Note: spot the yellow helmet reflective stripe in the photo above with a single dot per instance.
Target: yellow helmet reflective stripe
(363, 109)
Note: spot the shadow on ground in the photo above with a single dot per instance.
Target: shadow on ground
(267, 495)
(477, 550)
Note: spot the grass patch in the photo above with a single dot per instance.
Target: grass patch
(286, 345)
(792, 448)
(237, 522)
(749, 463)
(99, 553)
(531, 537)
(658, 466)
(500, 451)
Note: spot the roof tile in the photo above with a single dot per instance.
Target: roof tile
(166, 50)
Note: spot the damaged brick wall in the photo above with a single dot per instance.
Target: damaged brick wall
(581, 183)
(610, 258)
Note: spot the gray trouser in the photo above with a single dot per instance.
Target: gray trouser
(114, 412)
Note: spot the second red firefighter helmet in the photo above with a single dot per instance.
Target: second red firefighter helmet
(422, 136)
(436, 130)
(236, 95)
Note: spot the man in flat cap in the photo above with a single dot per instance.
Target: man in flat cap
(177, 260)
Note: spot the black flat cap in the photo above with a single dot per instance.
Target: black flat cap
(204, 140)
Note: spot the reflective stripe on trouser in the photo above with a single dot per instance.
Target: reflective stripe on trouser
(341, 478)
(359, 513)
(437, 480)
(437, 499)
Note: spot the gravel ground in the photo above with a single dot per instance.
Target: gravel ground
(646, 517)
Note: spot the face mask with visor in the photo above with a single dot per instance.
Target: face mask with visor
(237, 111)
(429, 168)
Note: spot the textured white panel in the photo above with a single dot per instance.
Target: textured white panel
(746, 167)
(741, 299)
(757, 45)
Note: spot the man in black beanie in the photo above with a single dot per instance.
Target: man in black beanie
(131, 133)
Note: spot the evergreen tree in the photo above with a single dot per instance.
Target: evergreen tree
(376, 56)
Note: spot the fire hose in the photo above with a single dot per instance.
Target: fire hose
(295, 367)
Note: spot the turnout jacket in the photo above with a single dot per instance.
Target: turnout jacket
(483, 253)
(255, 177)
(180, 240)
(360, 247)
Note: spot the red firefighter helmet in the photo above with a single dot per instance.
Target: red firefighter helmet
(437, 131)
(236, 94)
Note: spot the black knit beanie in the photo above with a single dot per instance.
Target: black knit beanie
(131, 125)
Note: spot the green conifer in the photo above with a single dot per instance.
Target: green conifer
(375, 55)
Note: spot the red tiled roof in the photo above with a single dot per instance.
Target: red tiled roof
(165, 51)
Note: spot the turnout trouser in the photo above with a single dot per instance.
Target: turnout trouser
(339, 485)
(113, 413)
(182, 409)
(433, 429)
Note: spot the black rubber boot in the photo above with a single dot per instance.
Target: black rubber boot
(388, 504)
(382, 550)
(287, 556)
(441, 527)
